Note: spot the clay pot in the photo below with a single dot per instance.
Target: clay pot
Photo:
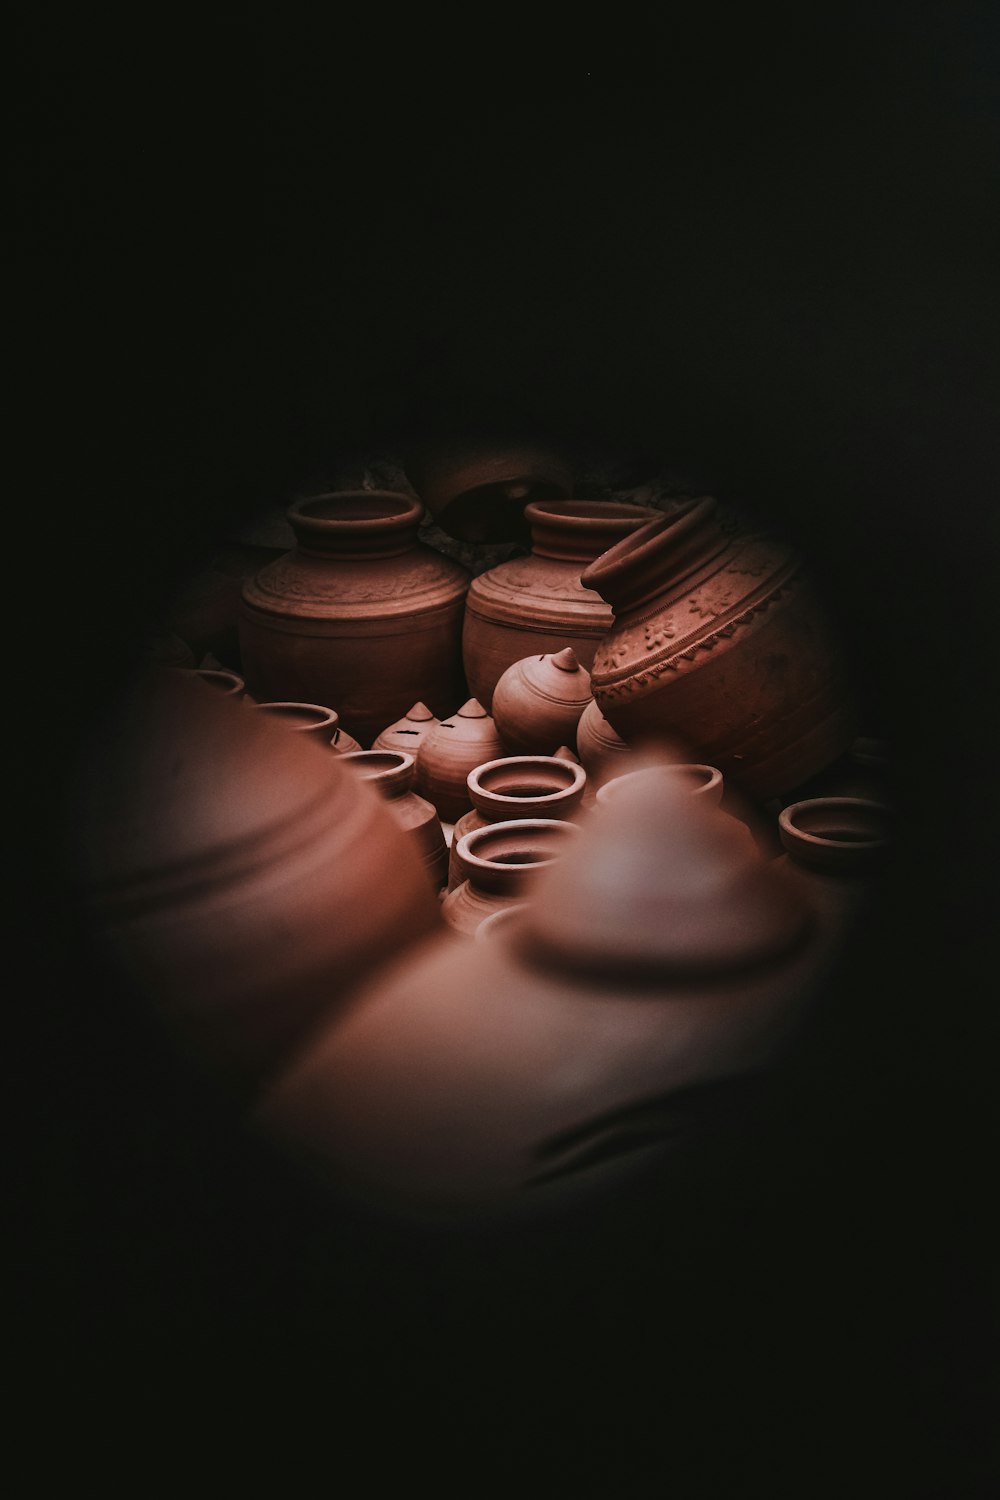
(603, 753)
(695, 780)
(237, 874)
(392, 773)
(835, 848)
(519, 786)
(718, 639)
(406, 733)
(312, 719)
(359, 614)
(477, 490)
(533, 605)
(220, 678)
(659, 963)
(449, 752)
(497, 862)
(538, 702)
(565, 753)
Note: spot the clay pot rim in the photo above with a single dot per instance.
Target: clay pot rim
(494, 832)
(576, 782)
(217, 674)
(408, 513)
(326, 718)
(710, 785)
(597, 515)
(643, 545)
(796, 839)
(397, 760)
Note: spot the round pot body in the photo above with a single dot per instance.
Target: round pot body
(359, 614)
(719, 640)
(518, 786)
(536, 605)
(497, 862)
(447, 754)
(406, 734)
(538, 702)
(602, 751)
(235, 873)
(478, 490)
(392, 773)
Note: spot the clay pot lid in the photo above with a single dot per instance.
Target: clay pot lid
(418, 714)
(695, 779)
(497, 857)
(555, 674)
(391, 771)
(661, 886)
(531, 783)
(840, 835)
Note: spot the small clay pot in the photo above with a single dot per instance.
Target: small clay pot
(449, 751)
(836, 835)
(497, 862)
(538, 701)
(519, 786)
(477, 489)
(392, 773)
(406, 734)
(602, 751)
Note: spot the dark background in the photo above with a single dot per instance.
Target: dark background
(762, 250)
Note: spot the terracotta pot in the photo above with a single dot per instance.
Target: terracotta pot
(391, 773)
(696, 780)
(538, 702)
(477, 490)
(532, 605)
(602, 751)
(497, 862)
(406, 733)
(312, 719)
(449, 752)
(220, 678)
(236, 873)
(565, 753)
(662, 961)
(519, 786)
(359, 614)
(719, 639)
(835, 848)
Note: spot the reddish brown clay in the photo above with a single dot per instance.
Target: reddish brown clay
(696, 780)
(312, 719)
(519, 786)
(511, 1072)
(538, 702)
(237, 874)
(359, 614)
(230, 683)
(602, 751)
(406, 733)
(477, 490)
(497, 862)
(532, 605)
(836, 849)
(565, 753)
(718, 638)
(449, 752)
(391, 773)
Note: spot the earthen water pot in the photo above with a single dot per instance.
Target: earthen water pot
(719, 639)
(359, 614)
(477, 489)
(238, 875)
(497, 863)
(518, 786)
(405, 734)
(538, 702)
(316, 721)
(446, 755)
(528, 606)
(659, 962)
(392, 773)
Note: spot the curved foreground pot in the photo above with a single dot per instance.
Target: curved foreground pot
(238, 875)
(719, 640)
(391, 773)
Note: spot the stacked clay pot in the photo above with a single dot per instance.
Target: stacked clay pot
(719, 639)
(359, 614)
(406, 733)
(392, 773)
(312, 719)
(518, 786)
(662, 960)
(533, 605)
(449, 752)
(497, 863)
(538, 702)
(477, 490)
(237, 875)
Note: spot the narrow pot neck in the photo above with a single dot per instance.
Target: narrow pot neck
(356, 523)
(581, 530)
(657, 557)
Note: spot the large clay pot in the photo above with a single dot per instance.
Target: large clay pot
(391, 773)
(406, 733)
(719, 639)
(237, 874)
(449, 752)
(519, 786)
(533, 605)
(477, 490)
(661, 962)
(538, 702)
(359, 614)
(497, 863)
